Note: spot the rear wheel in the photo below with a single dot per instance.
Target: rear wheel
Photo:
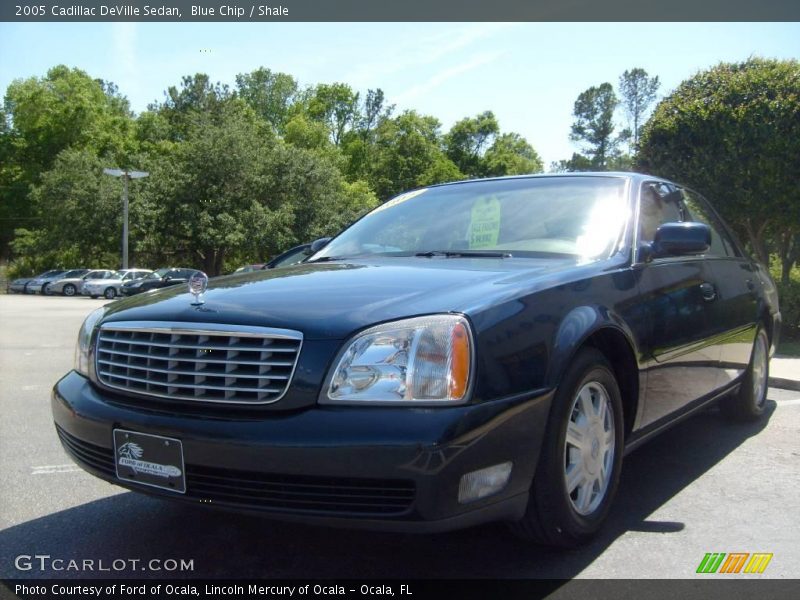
(69, 290)
(749, 402)
(581, 456)
(110, 293)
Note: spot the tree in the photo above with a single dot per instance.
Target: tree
(594, 124)
(226, 192)
(638, 91)
(409, 154)
(268, 93)
(511, 154)
(80, 215)
(43, 117)
(195, 96)
(359, 145)
(733, 133)
(336, 105)
(467, 141)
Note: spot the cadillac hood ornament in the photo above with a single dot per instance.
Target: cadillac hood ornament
(198, 283)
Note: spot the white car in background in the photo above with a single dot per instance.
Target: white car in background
(109, 288)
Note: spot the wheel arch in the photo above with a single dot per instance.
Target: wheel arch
(601, 329)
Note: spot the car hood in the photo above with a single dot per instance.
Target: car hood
(332, 300)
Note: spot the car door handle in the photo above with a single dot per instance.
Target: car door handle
(709, 291)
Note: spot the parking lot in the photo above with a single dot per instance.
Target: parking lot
(705, 486)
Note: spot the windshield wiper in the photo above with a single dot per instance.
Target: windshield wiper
(468, 253)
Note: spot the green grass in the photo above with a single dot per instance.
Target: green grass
(790, 347)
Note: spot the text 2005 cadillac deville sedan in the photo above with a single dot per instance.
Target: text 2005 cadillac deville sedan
(477, 351)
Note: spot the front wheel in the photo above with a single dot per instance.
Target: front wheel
(46, 289)
(69, 290)
(749, 403)
(581, 457)
(110, 293)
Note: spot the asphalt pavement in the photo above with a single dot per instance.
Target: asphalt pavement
(704, 486)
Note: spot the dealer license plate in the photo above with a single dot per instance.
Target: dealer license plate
(152, 460)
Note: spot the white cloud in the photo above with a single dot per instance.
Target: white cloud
(449, 73)
(412, 53)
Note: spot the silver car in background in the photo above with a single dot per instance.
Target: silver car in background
(109, 288)
(42, 283)
(20, 286)
(70, 286)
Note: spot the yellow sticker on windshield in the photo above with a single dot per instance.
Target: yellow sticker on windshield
(484, 226)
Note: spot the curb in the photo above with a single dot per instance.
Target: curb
(784, 384)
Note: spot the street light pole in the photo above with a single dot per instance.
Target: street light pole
(126, 176)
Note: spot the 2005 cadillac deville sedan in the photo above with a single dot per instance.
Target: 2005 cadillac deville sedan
(477, 351)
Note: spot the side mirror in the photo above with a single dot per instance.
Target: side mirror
(679, 239)
(319, 244)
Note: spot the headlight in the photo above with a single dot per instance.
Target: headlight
(85, 341)
(424, 360)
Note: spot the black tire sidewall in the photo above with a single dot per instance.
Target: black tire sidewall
(113, 293)
(69, 286)
(549, 485)
(746, 396)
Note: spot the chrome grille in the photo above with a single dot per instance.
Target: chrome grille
(205, 362)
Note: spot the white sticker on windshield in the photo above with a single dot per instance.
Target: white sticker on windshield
(400, 199)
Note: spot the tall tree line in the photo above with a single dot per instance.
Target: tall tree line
(238, 172)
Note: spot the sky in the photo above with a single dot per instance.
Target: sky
(528, 74)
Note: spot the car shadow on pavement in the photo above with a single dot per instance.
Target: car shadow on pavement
(132, 526)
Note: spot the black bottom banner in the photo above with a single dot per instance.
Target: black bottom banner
(424, 589)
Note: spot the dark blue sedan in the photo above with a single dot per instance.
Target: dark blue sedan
(477, 351)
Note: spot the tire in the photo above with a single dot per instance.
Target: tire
(568, 515)
(46, 289)
(94, 297)
(69, 290)
(749, 403)
(110, 293)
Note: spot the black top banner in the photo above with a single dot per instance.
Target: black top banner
(398, 10)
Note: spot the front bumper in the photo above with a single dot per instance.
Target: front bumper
(327, 449)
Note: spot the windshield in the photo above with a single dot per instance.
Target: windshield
(572, 216)
(157, 274)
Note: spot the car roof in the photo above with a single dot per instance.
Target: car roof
(606, 174)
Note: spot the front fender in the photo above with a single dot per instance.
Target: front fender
(577, 326)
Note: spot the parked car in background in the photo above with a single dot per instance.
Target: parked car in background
(158, 279)
(70, 286)
(42, 284)
(290, 257)
(470, 352)
(110, 287)
(19, 286)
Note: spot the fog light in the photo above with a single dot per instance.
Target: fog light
(482, 483)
